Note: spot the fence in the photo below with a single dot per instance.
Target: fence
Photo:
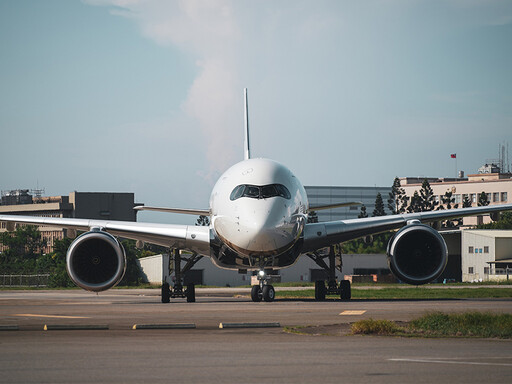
(38, 280)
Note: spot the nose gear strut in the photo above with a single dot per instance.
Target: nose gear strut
(264, 290)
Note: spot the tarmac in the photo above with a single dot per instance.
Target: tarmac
(92, 338)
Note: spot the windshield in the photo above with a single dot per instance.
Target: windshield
(260, 192)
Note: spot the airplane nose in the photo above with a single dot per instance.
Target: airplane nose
(263, 230)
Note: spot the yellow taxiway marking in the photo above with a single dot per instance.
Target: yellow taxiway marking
(351, 313)
(51, 316)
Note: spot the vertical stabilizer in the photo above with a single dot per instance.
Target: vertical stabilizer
(247, 147)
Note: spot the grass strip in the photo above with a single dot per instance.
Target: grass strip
(438, 324)
(409, 293)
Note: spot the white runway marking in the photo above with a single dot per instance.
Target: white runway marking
(351, 313)
(433, 361)
(50, 316)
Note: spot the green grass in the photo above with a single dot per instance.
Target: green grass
(438, 324)
(469, 324)
(375, 327)
(413, 293)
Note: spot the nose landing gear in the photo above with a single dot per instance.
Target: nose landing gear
(263, 291)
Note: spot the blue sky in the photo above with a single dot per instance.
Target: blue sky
(146, 96)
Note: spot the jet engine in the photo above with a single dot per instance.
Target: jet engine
(96, 261)
(417, 254)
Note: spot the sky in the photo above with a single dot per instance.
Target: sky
(146, 96)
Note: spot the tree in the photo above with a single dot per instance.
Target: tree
(24, 246)
(466, 203)
(504, 222)
(415, 205)
(362, 213)
(446, 203)
(483, 199)
(427, 200)
(397, 201)
(379, 206)
(203, 220)
(447, 200)
(312, 217)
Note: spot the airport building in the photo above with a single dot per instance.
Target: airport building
(84, 205)
(489, 179)
(486, 255)
(318, 195)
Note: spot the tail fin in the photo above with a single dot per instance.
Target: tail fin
(247, 147)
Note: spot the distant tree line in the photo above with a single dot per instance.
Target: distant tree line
(24, 255)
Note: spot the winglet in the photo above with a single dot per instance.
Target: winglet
(247, 147)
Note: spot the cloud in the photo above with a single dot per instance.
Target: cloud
(207, 31)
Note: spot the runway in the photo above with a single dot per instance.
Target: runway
(209, 354)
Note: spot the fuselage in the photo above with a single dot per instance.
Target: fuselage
(258, 212)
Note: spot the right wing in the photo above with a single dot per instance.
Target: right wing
(191, 237)
(319, 235)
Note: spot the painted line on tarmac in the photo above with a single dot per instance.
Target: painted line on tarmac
(431, 361)
(165, 326)
(352, 313)
(74, 327)
(9, 328)
(249, 325)
(49, 316)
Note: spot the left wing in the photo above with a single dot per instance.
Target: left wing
(319, 235)
(191, 237)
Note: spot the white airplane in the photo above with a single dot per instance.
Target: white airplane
(258, 214)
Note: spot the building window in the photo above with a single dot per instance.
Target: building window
(472, 198)
(470, 250)
(504, 197)
(470, 270)
(457, 199)
(496, 197)
(486, 249)
(486, 270)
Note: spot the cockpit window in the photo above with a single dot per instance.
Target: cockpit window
(260, 192)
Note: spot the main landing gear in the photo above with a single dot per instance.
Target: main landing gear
(342, 289)
(263, 291)
(178, 290)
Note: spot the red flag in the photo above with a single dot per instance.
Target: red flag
(453, 155)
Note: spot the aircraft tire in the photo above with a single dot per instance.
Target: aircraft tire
(269, 293)
(191, 293)
(345, 290)
(256, 294)
(320, 290)
(166, 293)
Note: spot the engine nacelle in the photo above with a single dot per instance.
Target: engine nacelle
(417, 254)
(96, 261)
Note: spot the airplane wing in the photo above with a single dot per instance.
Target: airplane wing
(198, 212)
(319, 235)
(191, 237)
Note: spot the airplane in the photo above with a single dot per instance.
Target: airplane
(258, 214)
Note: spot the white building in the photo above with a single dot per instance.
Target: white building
(486, 255)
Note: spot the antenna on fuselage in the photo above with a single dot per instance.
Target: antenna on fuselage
(247, 147)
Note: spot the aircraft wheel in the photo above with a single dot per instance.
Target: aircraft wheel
(166, 293)
(191, 293)
(269, 293)
(256, 294)
(345, 291)
(320, 290)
